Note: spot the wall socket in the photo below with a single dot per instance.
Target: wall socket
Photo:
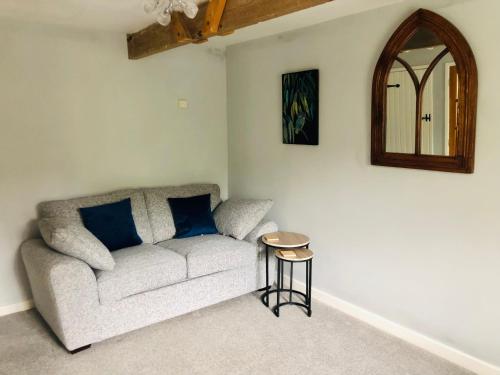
(182, 103)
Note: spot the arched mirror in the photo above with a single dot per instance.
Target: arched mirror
(425, 97)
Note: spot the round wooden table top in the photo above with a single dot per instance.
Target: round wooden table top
(300, 255)
(285, 239)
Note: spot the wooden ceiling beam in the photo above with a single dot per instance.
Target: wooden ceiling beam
(243, 13)
(213, 16)
(179, 28)
(157, 38)
(234, 15)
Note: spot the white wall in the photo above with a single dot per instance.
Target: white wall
(420, 248)
(77, 117)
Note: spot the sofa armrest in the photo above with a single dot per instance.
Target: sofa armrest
(254, 237)
(64, 291)
(262, 228)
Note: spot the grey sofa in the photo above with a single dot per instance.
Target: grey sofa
(160, 279)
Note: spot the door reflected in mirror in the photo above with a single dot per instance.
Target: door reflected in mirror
(401, 111)
(423, 74)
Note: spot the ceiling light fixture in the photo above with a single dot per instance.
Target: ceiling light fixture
(162, 9)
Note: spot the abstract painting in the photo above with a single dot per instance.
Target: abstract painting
(301, 108)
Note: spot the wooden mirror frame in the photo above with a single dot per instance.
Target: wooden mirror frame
(463, 161)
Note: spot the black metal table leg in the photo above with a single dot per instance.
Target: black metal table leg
(277, 311)
(267, 276)
(291, 281)
(282, 274)
(308, 286)
(265, 296)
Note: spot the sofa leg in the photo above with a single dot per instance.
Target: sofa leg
(80, 349)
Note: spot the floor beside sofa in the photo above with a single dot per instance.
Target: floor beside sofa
(235, 337)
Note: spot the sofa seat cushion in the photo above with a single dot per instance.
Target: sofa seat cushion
(140, 269)
(212, 253)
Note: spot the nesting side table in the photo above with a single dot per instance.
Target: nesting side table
(281, 240)
(301, 256)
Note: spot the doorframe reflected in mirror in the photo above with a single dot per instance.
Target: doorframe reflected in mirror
(462, 160)
(450, 112)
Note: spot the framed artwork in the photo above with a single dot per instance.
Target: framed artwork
(300, 97)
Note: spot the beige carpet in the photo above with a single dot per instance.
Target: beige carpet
(235, 337)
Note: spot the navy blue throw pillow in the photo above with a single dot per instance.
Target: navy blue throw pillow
(113, 224)
(192, 216)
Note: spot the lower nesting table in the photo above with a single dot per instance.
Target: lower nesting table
(281, 240)
(301, 256)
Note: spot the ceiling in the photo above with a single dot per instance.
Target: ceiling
(304, 18)
(108, 15)
(127, 16)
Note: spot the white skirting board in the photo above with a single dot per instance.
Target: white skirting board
(431, 345)
(18, 307)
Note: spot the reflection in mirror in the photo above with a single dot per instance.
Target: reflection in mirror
(423, 65)
(439, 105)
(401, 110)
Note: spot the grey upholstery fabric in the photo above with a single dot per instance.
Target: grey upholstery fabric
(69, 209)
(160, 216)
(212, 253)
(255, 237)
(140, 269)
(70, 237)
(262, 228)
(65, 294)
(83, 306)
(237, 217)
(261, 268)
(151, 307)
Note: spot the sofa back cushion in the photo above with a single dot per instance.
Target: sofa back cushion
(160, 215)
(69, 208)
